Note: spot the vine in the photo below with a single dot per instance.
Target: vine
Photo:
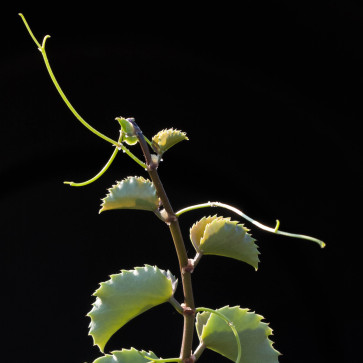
(236, 333)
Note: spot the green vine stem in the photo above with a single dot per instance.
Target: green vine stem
(104, 169)
(108, 164)
(230, 324)
(65, 99)
(118, 143)
(149, 142)
(132, 156)
(256, 223)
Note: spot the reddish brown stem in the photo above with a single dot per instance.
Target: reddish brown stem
(173, 223)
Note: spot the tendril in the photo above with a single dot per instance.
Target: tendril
(256, 223)
(55, 82)
(230, 324)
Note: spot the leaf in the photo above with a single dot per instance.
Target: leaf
(129, 131)
(131, 193)
(126, 356)
(165, 139)
(223, 237)
(200, 321)
(125, 296)
(197, 230)
(253, 335)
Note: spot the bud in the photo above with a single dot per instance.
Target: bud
(128, 130)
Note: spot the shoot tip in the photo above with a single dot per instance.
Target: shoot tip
(277, 226)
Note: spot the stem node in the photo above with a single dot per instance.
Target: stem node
(187, 310)
(189, 267)
(168, 217)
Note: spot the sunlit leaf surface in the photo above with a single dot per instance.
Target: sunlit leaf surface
(131, 193)
(217, 335)
(165, 139)
(126, 356)
(125, 296)
(223, 237)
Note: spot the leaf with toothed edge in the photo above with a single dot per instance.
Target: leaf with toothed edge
(125, 296)
(126, 356)
(220, 236)
(129, 131)
(132, 193)
(197, 230)
(216, 334)
(165, 139)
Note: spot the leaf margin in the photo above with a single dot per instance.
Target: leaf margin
(116, 197)
(201, 236)
(227, 311)
(100, 329)
(169, 138)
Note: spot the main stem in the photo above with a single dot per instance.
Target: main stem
(173, 223)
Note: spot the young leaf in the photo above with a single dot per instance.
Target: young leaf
(223, 237)
(126, 356)
(165, 139)
(125, 296)
(131, 193)
(253, 334)
(129, 131)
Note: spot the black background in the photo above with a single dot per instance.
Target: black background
(270, 95)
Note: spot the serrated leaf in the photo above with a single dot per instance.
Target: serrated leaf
(223, 237)
(129, 131)
(126, 356)
(165, 139)
(125, 296)
(198, 228)
(253, 334)
(131, 193)
(200, 321)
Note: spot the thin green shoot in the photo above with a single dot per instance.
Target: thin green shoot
(104, 169)
(55, 82)
(230, 324)
(256, 223)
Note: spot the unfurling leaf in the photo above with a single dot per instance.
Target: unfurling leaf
(165, 139)
(220, 236)
(125, 296)
(253, 334)
(131, 193)
(128, 131)
(126, 356)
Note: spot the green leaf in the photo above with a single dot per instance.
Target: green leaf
(253, 334)
(165, 139)
(126, 356)
(128, 129)
(197, 230)
(125, 296)
(132, 193)
(223, 237)
(200, 321)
